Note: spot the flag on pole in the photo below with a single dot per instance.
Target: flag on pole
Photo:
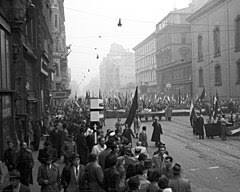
(215, 105)
(202, 96)
(133, 109)
(192, 110)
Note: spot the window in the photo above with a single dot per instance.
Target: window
(238, 72)
(56, 21)
(216, 41)
(200, 76)
(200, 51)
(218, 75)
(237, 33)
(4, 61)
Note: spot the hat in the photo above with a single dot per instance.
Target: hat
(14, 175)
(176, 168)
(75, 156)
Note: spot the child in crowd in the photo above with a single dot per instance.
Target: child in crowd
(143, 137)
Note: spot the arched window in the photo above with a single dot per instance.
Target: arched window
(218, 75)
(200, 51)
(200, 78)
(217, 42)
(237, 33)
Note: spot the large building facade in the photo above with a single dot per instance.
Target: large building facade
(61, 77)
(25, 66)
(173, 54)
(215, 30)
(117, 70)
(145, 64)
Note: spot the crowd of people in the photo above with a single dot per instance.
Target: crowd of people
(119, 162)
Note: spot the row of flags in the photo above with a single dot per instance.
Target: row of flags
(216, 108)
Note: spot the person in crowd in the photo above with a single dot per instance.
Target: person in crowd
(136, 125)
(15, 184)
(128, 133)
(112, 176)
(143, 137)
(24, 164)
(131, 171)
(121, 163)
(138, 149)
(157, 131)
(200, 126)
(43, 153)
(82, 147)
(101, 146)
(114, 153)
(36, 135)
(223, 124)
(48, 176)
(142, 158)
(57, 138)
(158, 157)
(153, 178)
(118, 125)
(141, 172)
(9, 157)
(72, 177)
(94, 174)
(102, 155)
(167, 169)
(133, 184)
(163, 184)
(177, 183)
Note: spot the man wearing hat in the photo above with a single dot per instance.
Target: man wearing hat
(177, 183)
(49, 176)
(72, 177)
(157, 131)
(15, 185)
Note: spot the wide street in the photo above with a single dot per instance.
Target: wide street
(212, 165)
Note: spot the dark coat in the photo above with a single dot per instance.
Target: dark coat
(94, 177)
(128, 133)
(25, 164)
(44, 153)
(111, 180)
(102, 157)
(82, 148)
(9, 159)
(157, 131)
(143, 139)
(69, 180)
(200, 125)
(179, 184)
(23, 188)
(52, 176)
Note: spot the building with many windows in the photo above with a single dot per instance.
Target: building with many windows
(215, 30)
(173, 54)
(145, 64)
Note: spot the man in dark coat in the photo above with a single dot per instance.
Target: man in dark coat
(15, 184)
(200, 126)
(25, 164)
(49, 176)
(36, 135)
(10, 157)
(82, 147)
(157, 131)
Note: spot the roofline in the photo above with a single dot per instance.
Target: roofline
(151, 36)
(205, 8)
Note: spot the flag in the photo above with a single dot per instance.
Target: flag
(192, 110)
(133, 109)
(202, 96)
(215, 105)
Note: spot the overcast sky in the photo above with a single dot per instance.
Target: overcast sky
(86, 20)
